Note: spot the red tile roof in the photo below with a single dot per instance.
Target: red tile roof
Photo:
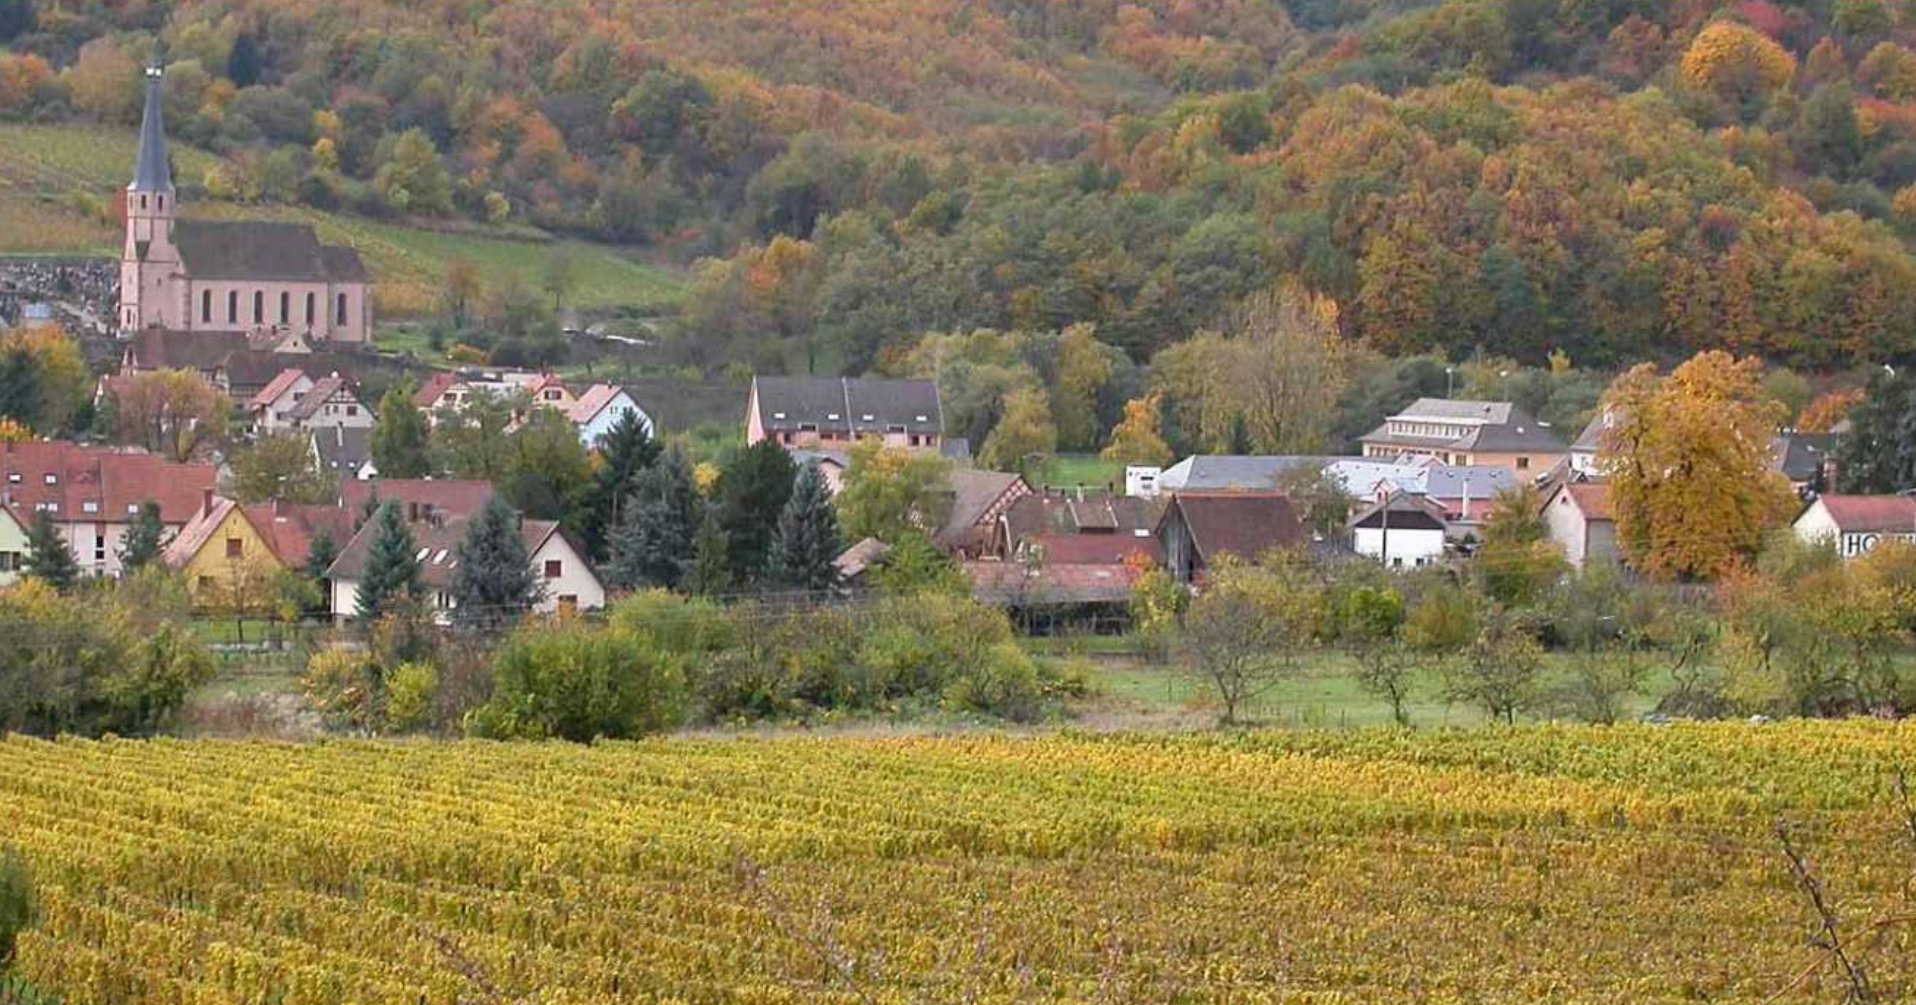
(1244, 524)
(274, 388)
(1012, 584)
(287, 529)
(1872, 513)
(449, 497)
(592, 402)
(114, 481)
(1593, 499)
(1095, 549)
(435, 385)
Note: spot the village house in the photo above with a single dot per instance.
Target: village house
(569, 580)
(602, 407)
(227, 275)
(296, 401)
(1400, 531)
(13, 546)
(1479, 433)
(1808, 460)
(233, 362)
(228, 553)
(832, 413)
(1200, 529)
(1578, 518)
(1584, 450)
(452, 391)
(980, 500)
(92, 494)
(1855, 525)
(345, 452)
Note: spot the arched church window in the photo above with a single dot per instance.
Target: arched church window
(206, 306)
(309, 310)
(341, 309)
(232, 307)
(285, 307)
(259, 306)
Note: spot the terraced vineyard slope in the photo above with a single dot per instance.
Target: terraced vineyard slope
(1563, 865)
(56, 197)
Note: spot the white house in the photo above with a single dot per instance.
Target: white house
(570, 581)
(1855, 525)
(294, 401)
(602, 407)
(1402, 531)
(1579, 519)
(13, 546)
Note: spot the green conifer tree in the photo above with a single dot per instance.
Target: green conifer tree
(653, 545)
(807, 540)
(48, 557)
(711, 573)
(493, 582)
(145, 539)
(392, 566)
(625, 452)
(752, 492)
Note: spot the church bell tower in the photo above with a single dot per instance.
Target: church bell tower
(150, 280)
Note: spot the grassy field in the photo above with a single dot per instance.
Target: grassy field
(57, 184)
(1072, 470)
(1539, 864)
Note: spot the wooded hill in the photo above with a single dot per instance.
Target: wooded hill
(1618, 179)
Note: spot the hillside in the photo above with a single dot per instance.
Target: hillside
(57, 185)
(1568, 865)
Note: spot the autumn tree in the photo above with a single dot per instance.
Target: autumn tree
(888, 492)
(1248, 631)
(462, 289)
(1024, 434)
(399, 444)
(1084, 365)
(1689, 466)
(1736, 63)
(169, 412)
(1138, 438)
(280, 468)
(1277, 371)
(412, 178)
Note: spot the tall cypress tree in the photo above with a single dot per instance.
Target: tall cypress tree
(145, 539)
(711, 573)
(48, 557)
(399, 444)
(493, 583)
(752, 492)
(625, 452)
(807, 538)
(320, 556)
(654, 543)
(392, 566)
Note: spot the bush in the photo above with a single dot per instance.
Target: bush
(344, 687)
(91, 664)
(574, 681)
(410, 689)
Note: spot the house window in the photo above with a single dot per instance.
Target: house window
(341, 310)
(206, 583)
(206, 306)
(99, 546)
(285, 307)
(568, 601)
(232, 307)
(235, 547)
(259, 306)
(9, 561)
(553, 569)
(309, 310)
(352, 409)
(160, 200)
(1523, 464)
(90, 506)
(53, 479)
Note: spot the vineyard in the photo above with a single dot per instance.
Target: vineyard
(1546, 864)
(57, 185)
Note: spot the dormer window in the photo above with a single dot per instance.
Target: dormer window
(13, 478)
(89, 507)
(833, 416)
(53, 479)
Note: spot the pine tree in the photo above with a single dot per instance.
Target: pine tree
(626, 451)
(320, 556)
(654, 542)
(145, 539)
(48, 557)
(807, 541)
(711, 574)
(399, 440)
(243, 63)
(493, 582)
(392, 566)
(752, 493)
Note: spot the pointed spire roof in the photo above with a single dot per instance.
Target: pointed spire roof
(152, 172)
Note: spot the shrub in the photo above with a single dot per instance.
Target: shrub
(1005, 683)
(344, 687)
(88, 665)
(410, 689)
(579, 682)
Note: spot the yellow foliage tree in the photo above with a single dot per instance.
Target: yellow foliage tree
(1689, 466)
(1737, 63)
(12, 431)
(1137, 438)
(1083, 367)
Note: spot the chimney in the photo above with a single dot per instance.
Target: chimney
(206, 501)
(1466, 513)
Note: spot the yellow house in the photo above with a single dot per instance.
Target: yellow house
(230, 553)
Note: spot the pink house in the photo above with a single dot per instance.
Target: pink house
(228, 275)
(831, 413)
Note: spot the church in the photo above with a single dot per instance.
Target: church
(256, 277)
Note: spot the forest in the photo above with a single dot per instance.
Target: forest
(1613, 180)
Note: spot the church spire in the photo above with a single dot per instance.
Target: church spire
(151, 172)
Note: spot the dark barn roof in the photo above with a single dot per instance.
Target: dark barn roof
(853, 405)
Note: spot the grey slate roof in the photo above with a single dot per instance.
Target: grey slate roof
(1801, 456)
(1222, 473)
(151, 172)
(1492, 412)
(854, 405)
(343, 450)
(261, 249)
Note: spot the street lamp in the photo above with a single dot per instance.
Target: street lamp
(1450, 381)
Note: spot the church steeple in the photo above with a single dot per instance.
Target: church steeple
(151, 172)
